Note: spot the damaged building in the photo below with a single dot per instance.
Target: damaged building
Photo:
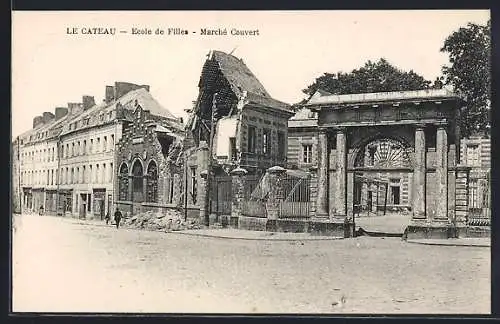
(149, 174)
(248, 128)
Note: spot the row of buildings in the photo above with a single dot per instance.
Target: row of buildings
(130, 152)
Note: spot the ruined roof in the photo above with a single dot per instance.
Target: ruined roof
(320, 98)
(267, 101)
(244, 83)
(238, 75)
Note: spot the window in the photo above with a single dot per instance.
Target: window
(97, 173)
(123, 182)
(152, 182)
(171, 190)
(73, 149)
(137, 182)
(111, 172)
(72, 180)
(371, 151)
(266, 142)
(84, 146)
(77, 178)
(473, 155)
(90, 174)
(98, 148)
(232, 148)
(251, 139)
(104, 172)
(193, 184)
(91, 147)
(48, 177)
(79, 152)
(112, 141)
(307, 153)
(105, 144)
(281, 145)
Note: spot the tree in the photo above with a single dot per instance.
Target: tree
(377, 76)
(469, 50)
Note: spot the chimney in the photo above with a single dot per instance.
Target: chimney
(88, 102)
(47, 116)
(61, 112)
(38, 120)
(122, 88)
(110, 94)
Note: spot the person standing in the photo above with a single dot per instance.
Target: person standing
(108, 218)
(118, 217)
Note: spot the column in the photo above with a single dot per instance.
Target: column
(203, 197)
(419, 174)
(341, 183)
(275, 197)
(322, 193)
(238, 187)
(442, 172)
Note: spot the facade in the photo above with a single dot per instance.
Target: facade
(38, 161)
(67, 161)
(476, 154)
(405, 140)
(250, 127)
(235, 123)
(149, 175)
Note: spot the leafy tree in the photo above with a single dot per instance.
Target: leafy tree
(377, 76)
(469, 50)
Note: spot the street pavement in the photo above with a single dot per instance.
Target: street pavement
(62, 265)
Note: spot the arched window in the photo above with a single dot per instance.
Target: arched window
(137, 182)
(123, 182)
(152, 182)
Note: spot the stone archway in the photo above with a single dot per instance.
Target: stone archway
(382, 172)
(426, 119)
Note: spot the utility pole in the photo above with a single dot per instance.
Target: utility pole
(209, 164)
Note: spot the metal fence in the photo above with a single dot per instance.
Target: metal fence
(479, 202)
(297, 198)
(253, 204)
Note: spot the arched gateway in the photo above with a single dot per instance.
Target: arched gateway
(407, 137)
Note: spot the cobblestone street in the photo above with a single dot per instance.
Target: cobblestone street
(60, 265)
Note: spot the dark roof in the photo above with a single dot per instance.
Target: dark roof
(244, 83)
(238, 75)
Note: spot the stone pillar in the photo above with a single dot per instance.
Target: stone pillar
(238, 188)
(419, 175)
(341, 183)
(461, 196)
(275, 197)
(322, 186)
(442, 173)
(202, 196)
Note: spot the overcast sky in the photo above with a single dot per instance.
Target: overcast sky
(51, 68)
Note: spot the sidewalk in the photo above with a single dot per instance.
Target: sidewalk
(230, 233)
(469, 242)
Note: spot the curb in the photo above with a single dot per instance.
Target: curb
(257, 239)
(449, 244)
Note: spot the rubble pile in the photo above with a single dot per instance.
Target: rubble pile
(165, 221)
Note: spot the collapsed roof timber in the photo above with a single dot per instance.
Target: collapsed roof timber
(227, 84)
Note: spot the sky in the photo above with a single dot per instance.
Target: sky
(51, 67)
